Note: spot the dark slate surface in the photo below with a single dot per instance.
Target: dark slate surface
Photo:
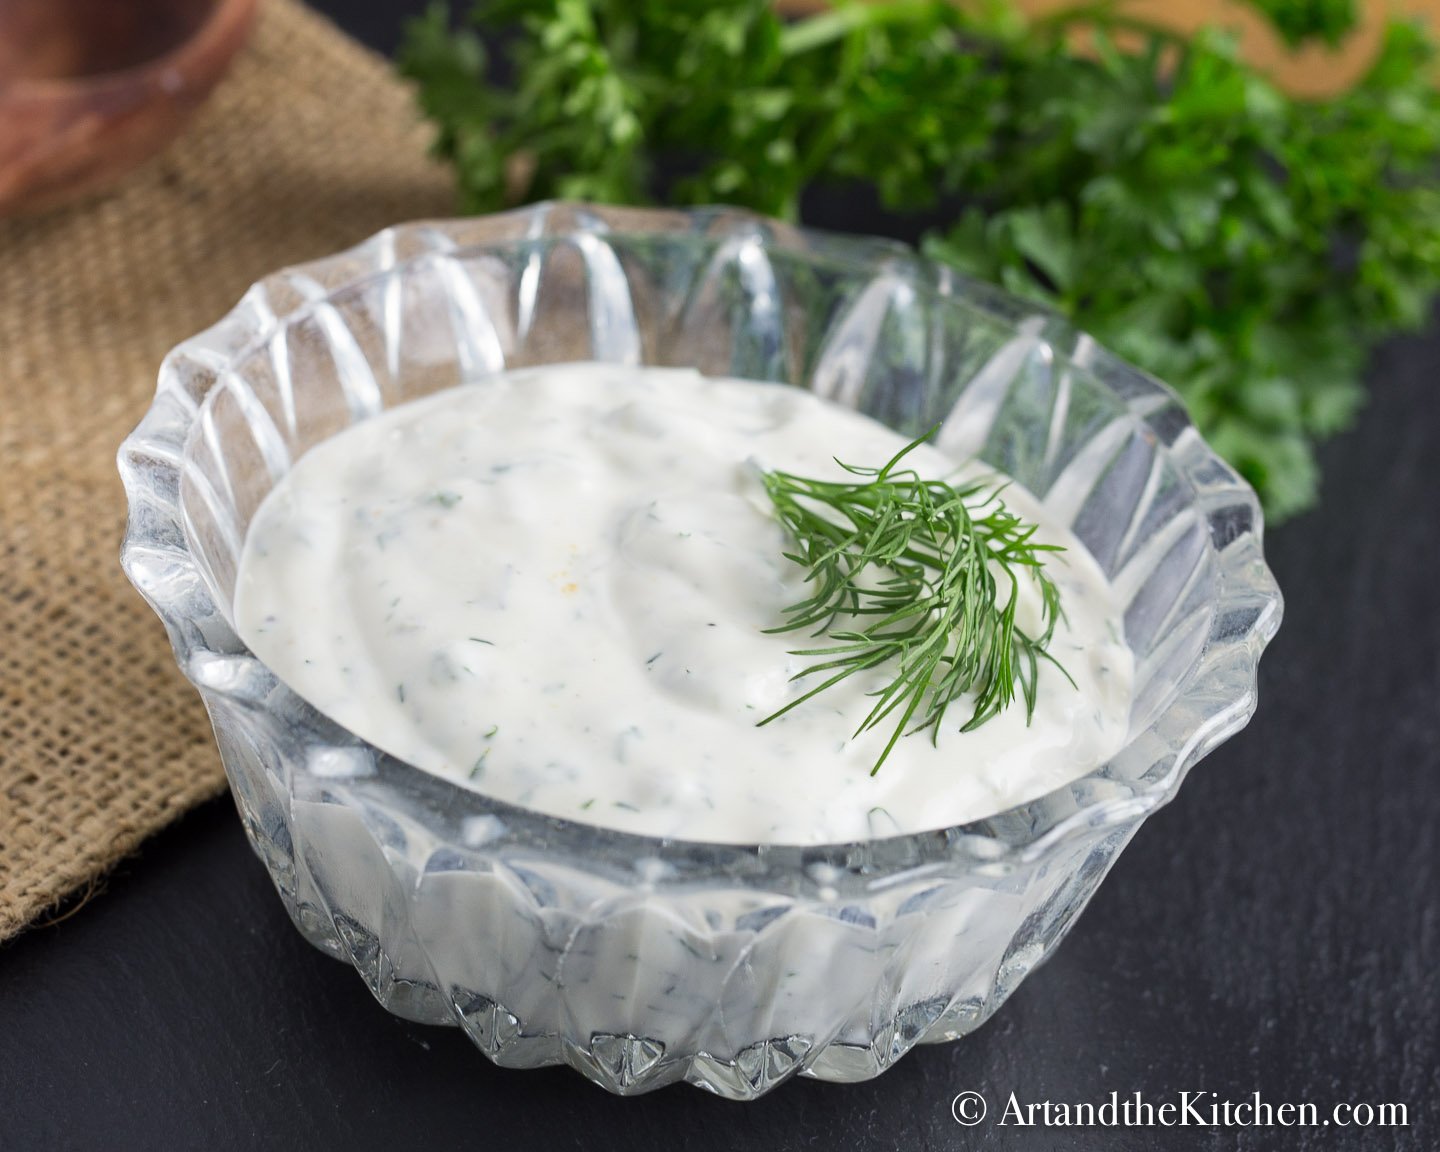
(1276, 930)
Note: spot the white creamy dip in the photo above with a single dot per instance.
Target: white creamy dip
(552, 587)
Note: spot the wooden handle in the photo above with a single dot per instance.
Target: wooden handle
(1312, 71)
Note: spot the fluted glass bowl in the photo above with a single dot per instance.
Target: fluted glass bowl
(642, 961)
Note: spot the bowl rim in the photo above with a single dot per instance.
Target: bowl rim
(1019, 834)
(224, 20)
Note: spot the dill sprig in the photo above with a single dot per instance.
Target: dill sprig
(927, 564)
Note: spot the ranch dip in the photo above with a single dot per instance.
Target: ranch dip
(553, 586)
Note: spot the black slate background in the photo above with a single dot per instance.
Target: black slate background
(1277, 929)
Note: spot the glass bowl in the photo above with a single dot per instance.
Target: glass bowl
(643, 961)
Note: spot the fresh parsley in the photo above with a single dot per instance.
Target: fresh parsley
(1248, 247)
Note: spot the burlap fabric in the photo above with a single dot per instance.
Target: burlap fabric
(310, 145)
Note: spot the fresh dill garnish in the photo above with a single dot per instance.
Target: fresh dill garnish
(928, 564)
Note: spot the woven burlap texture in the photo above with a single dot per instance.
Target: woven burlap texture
(308, 146)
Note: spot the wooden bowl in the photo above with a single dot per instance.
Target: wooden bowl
(91, 88)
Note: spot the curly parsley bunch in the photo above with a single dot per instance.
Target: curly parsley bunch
(1247, 247)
